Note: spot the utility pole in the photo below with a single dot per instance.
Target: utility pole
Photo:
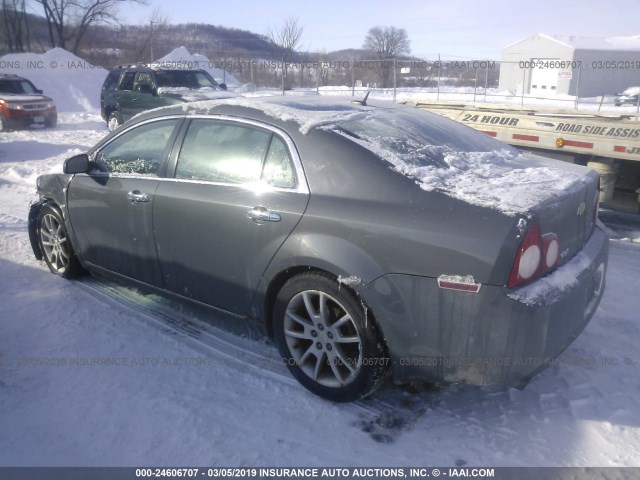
(151, 23)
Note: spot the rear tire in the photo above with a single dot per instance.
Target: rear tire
(55, 244)
(328, 341)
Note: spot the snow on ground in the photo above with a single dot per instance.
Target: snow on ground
(470, 95)
(93, 373)
(174, 394)
(73, 83)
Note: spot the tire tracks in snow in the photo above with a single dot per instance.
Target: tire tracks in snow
(384, 416)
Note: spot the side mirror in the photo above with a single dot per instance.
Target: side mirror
(223, 86)
(39, 92)
(76, 164)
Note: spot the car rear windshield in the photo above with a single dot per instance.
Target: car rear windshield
(416, 137)
(185, 79)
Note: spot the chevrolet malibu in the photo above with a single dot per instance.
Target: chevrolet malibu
(370, 238)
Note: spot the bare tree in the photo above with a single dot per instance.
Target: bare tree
(69, 20)
(16, 25)
(287, 37)
(387, 43)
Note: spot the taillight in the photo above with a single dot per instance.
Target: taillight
(551, 249)
(527, 262)
(537, 255)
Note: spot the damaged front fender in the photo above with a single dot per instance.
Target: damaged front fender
(51, 188)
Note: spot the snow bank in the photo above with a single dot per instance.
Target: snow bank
(73, 83)
(181, 58)
(631, 91)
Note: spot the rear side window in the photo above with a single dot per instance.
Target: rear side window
(139, 151)
(222, 152)
(127, 81)
(112, 80)
(278, 170)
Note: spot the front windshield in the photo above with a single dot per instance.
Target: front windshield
(185, 79)
(17, 87)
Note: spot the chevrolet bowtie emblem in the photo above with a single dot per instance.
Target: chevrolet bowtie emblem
(582, 208)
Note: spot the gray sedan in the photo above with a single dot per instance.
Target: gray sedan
(370, 238)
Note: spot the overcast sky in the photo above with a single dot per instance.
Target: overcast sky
(462, 29)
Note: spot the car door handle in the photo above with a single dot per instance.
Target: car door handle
(261, 214)
(136, 196)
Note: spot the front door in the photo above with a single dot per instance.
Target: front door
(111, 208)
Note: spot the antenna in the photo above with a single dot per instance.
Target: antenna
(363, 101)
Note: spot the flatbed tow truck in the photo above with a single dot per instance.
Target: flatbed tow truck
(606, 142)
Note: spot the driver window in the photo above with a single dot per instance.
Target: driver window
(139, 151)
(143, 82)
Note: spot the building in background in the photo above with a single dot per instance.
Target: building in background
(549, 65)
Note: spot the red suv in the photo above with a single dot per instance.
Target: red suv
(23, 105)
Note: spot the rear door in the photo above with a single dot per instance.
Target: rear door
(124, 96)
(238, 192)
(111, 208)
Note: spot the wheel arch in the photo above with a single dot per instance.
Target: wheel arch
(52, 190)
(281, 278)
(70, 265)
(365, 376)
(32, 227)
(317, 252)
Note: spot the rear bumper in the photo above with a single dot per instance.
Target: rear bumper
(495, 337)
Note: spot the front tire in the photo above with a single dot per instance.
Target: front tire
(114, 121)
(51, 122)
(329, 343)
(55, 244)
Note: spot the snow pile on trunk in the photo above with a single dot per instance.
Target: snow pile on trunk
(181, 58)
(73, 83)
(491, 179)
(495, 179)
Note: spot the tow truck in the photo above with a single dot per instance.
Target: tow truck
(608, 143)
